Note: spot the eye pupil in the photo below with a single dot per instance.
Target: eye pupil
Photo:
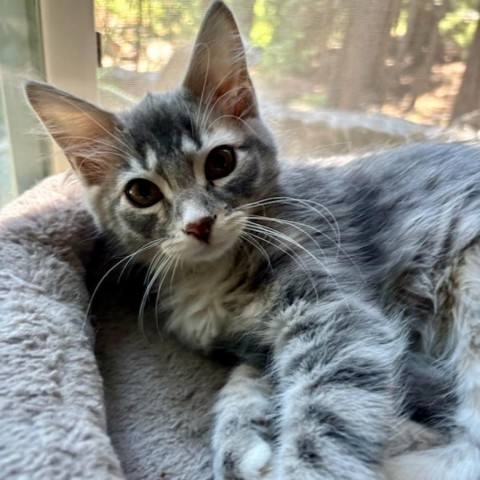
(220, 163)
(143, 193)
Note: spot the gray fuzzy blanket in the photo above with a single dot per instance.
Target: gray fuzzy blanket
(88, 396)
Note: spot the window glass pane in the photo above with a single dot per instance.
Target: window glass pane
(331, 74)
(23, 155)
(7, 184)
(145, 46)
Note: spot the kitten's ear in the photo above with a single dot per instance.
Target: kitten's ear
(83, 131)
(218, 73)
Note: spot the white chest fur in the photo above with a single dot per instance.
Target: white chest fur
(197, 301)
(204, 305)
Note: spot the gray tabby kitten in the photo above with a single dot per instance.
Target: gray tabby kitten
(321, 279)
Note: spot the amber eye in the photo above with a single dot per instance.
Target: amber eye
(142, 193)
(220, 163)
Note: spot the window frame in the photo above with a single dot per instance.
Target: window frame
(70, 52)
(55, 42)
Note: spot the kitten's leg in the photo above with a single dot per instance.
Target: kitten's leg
(460, 459)
(337, 366)
(241, 444)
(408, 436)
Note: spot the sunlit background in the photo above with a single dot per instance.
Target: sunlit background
(400, 57)
(331, 73)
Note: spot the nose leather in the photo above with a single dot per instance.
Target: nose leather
(201, 228)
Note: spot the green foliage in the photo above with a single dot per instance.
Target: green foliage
(299, 39)
(169, 19)
(459, 26)
(296, 33)
(261, 34)
(293, 34)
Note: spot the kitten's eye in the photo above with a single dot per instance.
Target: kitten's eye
(142, 193)
(220, 162)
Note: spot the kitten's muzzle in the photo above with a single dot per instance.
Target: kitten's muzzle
(201, 228)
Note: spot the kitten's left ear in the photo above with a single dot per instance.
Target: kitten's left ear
(218, 75)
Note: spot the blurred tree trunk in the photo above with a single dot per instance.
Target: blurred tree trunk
(362, 47)
(419, 32)
(380, 80)
(413, 9)
(318, 23)
(391, 75)
(425, 53)
(468, 98)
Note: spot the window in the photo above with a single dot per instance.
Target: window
(22, 154)
(52, 40)
(330, 73)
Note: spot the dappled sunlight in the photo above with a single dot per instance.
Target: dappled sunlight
(403, 59)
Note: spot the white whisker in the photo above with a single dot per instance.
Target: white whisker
(127, 259)
(287, 251)
(161, 268)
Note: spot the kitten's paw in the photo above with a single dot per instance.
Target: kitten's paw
(257, 461)
(246, 458)
(242, 433)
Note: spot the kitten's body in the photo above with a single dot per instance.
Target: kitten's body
(331, 281)
(389, 224)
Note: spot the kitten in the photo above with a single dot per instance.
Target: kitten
(329, 283)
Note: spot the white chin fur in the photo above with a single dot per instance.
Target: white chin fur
(225, 235)
(196, 251)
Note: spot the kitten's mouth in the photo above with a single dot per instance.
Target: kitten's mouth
(207, 250)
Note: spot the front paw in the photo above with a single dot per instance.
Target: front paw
(245, 457)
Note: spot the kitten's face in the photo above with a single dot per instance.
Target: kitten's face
(177, 173)
(185, 180)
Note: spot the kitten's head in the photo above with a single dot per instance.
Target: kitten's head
(174, 173)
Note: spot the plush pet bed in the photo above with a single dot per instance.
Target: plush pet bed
(84, 394)
(86, 390)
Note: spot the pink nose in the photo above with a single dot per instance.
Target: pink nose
(201, 228)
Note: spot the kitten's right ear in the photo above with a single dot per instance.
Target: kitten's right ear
(86, 133)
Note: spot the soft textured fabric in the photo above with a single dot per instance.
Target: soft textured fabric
(79, 402)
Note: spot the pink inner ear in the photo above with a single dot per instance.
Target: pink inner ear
(245, 105)
(235, 99)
